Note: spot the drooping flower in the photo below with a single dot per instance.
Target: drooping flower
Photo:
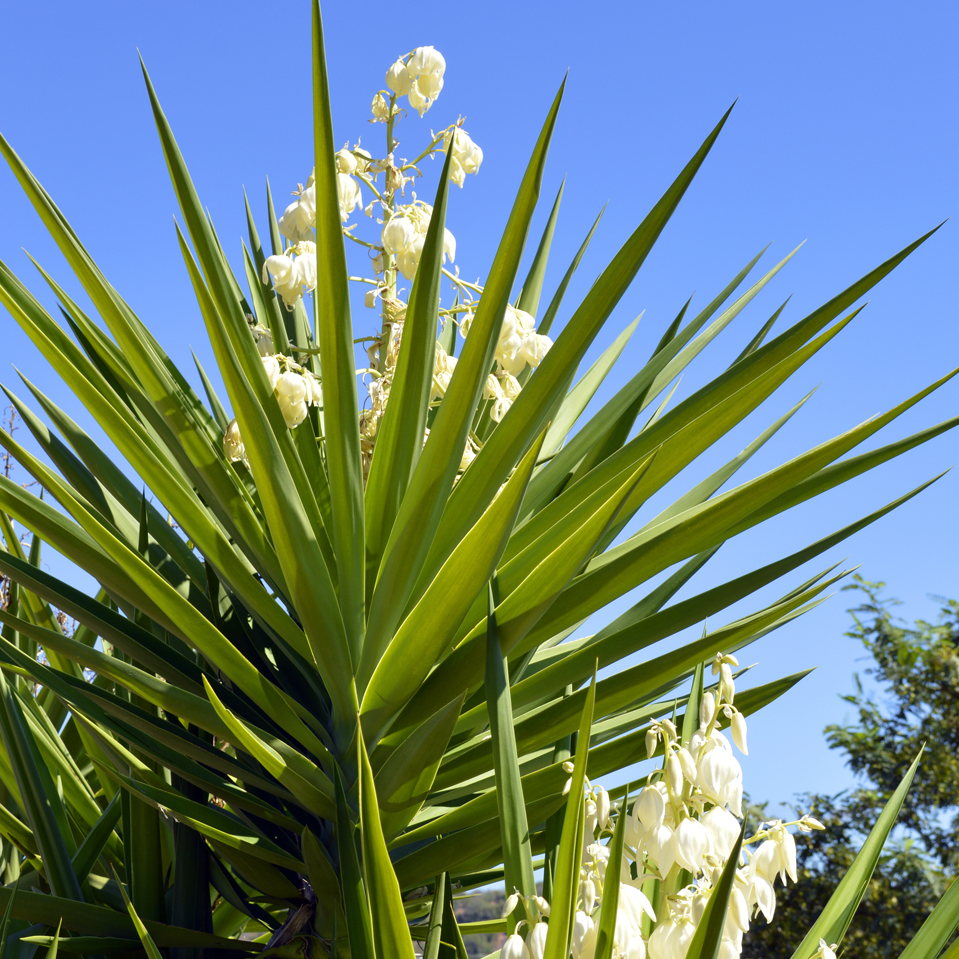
(348, 193)
(233, 446)
(467, 156)
(299, 217)
(380, 108)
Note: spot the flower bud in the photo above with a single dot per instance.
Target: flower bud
(568, 766)
(687, 764)
(512, 901)
(674, 774)
(398, 79)
(542, 905)
(587, 895)
(707, 709)
(602, 807)
(738, 729)
(670, 728)
(652, 740)
(727, 687)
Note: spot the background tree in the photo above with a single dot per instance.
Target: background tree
(917, 668)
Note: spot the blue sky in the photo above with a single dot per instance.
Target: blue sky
(844, 136)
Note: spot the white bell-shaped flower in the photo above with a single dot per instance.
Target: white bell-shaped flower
(692, 844)
(305, 266)
(707, 709)
(722, 830)
(737, 726)
(659, 844)
(762, 896)
(443, 367)
(397, 234)
(738, 912)
(398, 79)
(349, 195)
(380, 108)
(286, 280)
(291, 393)
(587, 895)
(687, 764)
(345, 162)
(467, 156)
(426, 60)
(536, 940)
(418, 100)
(634, 904)
(299, 217)
(650, 807)
(233, 447)
(584, 936)
(409, 259)
(271, 367)
(534, 349)
(514, 948)
(767, 860)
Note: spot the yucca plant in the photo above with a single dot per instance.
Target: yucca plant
(332, 678)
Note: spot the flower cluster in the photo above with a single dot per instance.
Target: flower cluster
(394, 253)
(404, 234)
(681, 831)
(467, 156)
(293, 271)
(418, 76)
(295, 389)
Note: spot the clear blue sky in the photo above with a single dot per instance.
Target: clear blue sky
(844, 136)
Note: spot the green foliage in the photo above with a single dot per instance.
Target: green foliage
(916, 667)
(315, 688)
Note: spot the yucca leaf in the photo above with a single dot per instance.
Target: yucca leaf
(270, 300)
(526, 604)
(44, 810)
(546, 323)
(96, 840)
(434, 935)
(357, 909)
(419, 517)
(405, 779)
(399, 439)
(334, 331)
(219, 413)
(426, 633)
(296, 772)
(514, 829)
(709, 933)
(527, 414)
(566, 880)
(838, 912)
(146, 940)
(585, 389)
(323, 879)
(390, 933)
(529, 294)
(607, 914)
(937, 930)
(287, 511)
